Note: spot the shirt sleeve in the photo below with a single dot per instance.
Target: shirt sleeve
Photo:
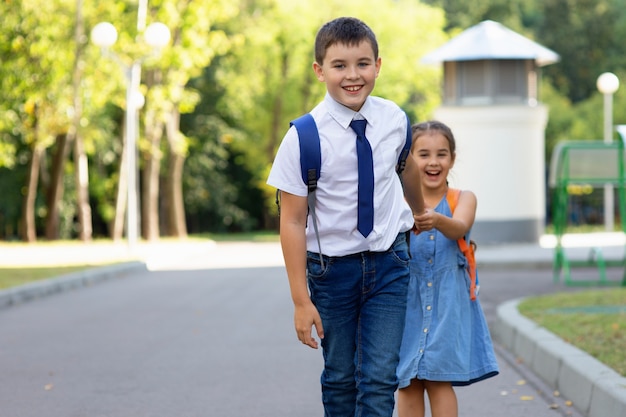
(285, 173)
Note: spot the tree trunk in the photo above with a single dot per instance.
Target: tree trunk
(83, 210)
(56, 188)
(117, 225)
(176, 212)
(85, 231)
(29, 230)
(178, 224)
(152, 166)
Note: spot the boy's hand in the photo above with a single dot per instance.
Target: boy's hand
(305, 317)
(427, 220)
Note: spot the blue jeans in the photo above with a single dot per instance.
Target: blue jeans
(362, 301)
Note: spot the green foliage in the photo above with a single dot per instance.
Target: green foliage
(11, 201)
(580, 121)
(33, 74)
(211, 197)
(403, 78)
(561, 117)
(461, 14)
(585, 39)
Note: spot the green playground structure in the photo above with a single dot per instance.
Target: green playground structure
(585, 163)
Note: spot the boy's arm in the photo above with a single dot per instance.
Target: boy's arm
(293, 216)
(412, 185)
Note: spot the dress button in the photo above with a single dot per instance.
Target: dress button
(428, 308)
(430, 261)
(426, 330)
(432, 237)
(430, 284)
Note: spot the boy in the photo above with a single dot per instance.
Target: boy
(358, 293)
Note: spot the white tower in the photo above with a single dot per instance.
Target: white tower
(490, 100)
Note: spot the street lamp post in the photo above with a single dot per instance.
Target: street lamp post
(156, 35)
(607, 84)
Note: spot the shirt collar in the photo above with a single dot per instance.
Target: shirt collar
(344, 115)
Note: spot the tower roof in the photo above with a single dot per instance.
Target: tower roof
(491, 40)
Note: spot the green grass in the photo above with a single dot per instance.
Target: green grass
(592, 320)
(12, 277)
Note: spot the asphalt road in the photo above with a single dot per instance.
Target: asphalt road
(208, 343)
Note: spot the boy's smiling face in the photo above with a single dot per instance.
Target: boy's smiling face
(350, 73)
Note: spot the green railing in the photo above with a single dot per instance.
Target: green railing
(587, 163)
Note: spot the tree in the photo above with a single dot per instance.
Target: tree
(585, 39)
(461, 14)
(42, 90)
(63, 143)
(196, 40)
(34, 81)
(80, 158)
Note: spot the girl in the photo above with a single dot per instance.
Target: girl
(446, 340)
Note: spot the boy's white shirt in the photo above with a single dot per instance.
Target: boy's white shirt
(336, 199)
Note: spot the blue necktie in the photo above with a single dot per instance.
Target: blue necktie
(366, 179)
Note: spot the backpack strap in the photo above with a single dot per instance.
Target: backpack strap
(310, 164)
(310, 153)
(407, 147)
(452, 196)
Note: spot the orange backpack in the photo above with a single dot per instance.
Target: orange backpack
(467, 248)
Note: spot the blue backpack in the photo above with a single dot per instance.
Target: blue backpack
(311, 161)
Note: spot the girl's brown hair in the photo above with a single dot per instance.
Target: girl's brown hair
(419, 129)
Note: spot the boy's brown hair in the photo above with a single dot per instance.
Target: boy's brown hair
(345, 30)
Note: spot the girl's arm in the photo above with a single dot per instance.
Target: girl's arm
(293, 242)
(454, 227)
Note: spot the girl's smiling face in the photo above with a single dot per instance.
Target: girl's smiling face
(434, 158)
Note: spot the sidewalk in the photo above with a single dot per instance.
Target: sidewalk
(156, 256)
(598, 390)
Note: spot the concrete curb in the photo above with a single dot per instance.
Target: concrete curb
(595, 389)
(87, 277)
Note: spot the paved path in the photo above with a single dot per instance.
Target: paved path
(207, 332)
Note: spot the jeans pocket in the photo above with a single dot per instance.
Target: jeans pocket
(400, 250)
(314, 266)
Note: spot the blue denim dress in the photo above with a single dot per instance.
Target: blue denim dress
(446, 337)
